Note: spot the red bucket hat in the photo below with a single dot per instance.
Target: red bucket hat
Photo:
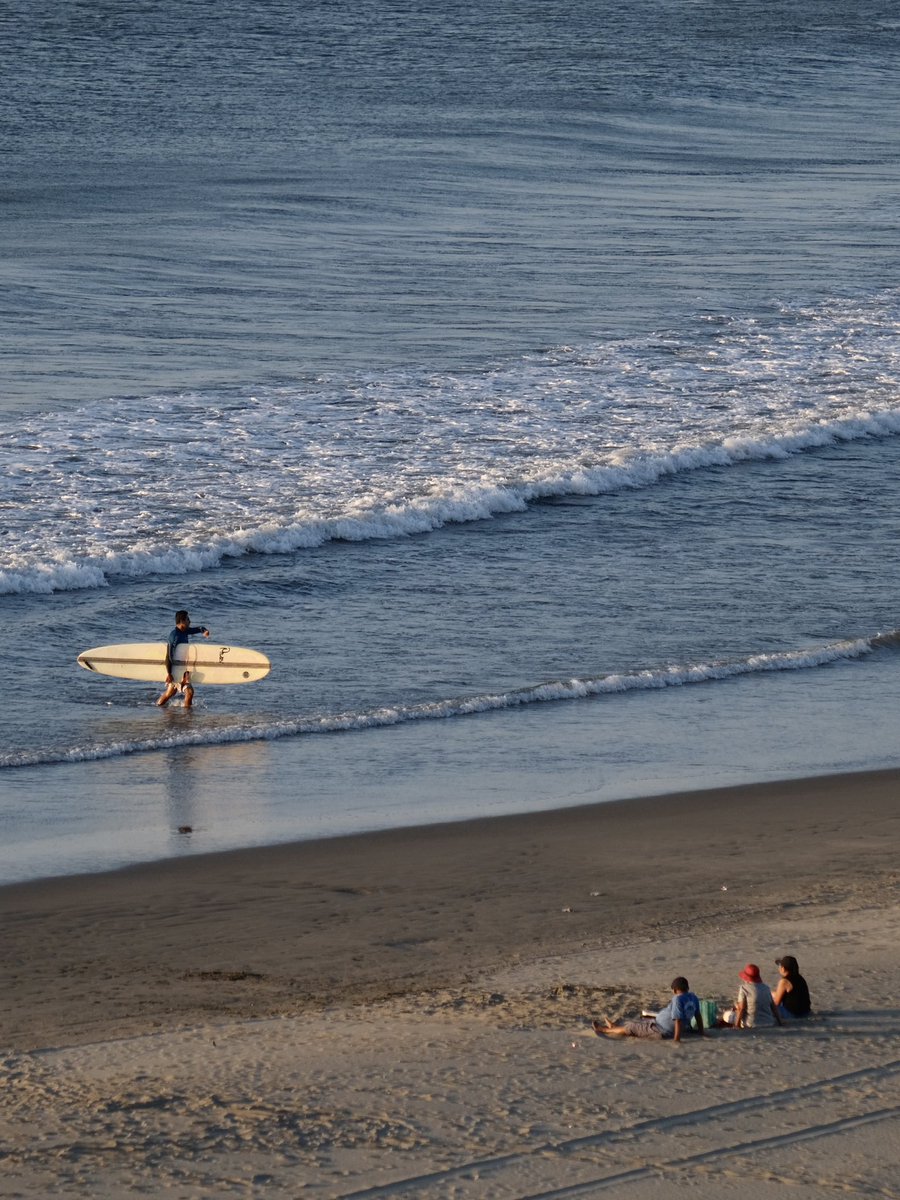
(750, 973)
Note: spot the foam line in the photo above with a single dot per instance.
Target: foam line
(456, 505)
(87, 494)
(554, 690)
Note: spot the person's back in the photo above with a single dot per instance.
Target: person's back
(684, 1007)
(797, 1001)
(791, 996)
(758, 1000)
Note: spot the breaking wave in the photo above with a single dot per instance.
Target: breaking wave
(179, 484)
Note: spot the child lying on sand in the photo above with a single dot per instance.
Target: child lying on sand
(673, 1022)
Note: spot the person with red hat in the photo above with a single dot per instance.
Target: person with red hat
(754, 1008)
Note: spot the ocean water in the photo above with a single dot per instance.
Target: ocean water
(525, 382)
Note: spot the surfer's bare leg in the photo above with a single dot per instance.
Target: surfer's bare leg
(171, 689)
(187, 689)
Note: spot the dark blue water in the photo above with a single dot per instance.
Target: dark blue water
(216, 193)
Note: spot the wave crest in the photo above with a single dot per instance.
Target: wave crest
(179, 484)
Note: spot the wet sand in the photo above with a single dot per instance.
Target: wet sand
(409, 1011)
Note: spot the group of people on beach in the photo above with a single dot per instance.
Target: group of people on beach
(755, 1007)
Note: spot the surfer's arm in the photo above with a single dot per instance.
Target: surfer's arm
(170, 650)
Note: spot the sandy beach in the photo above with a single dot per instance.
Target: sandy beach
(408, 1013)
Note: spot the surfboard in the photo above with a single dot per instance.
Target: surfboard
(207, 664)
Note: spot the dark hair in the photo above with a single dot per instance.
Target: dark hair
(680, 984)
(789, 963)
(181, 615)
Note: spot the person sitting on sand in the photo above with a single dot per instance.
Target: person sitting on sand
(791, 997)
(673, 1022)
(754, 1007)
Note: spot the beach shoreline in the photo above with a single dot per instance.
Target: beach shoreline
(316, 923)
(410, 1010)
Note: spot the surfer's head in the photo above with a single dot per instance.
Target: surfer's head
(182, 617)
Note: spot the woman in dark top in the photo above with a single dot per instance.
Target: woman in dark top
(792, 995)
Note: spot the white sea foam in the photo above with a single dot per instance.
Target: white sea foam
(460, 706)
(177, 484)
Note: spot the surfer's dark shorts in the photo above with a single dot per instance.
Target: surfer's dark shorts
(643, 1028)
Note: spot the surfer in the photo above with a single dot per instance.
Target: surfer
(180, 634)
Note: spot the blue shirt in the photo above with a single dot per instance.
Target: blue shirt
(683, 1006)
(177, 638)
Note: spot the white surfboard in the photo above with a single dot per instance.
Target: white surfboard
(207, 663)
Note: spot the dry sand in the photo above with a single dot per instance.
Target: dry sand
(407, 1014)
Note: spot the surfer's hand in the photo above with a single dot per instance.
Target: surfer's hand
(206, 633)
(169, 679)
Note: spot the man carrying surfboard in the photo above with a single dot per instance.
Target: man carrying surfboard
(180, 634)
(158, 662)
